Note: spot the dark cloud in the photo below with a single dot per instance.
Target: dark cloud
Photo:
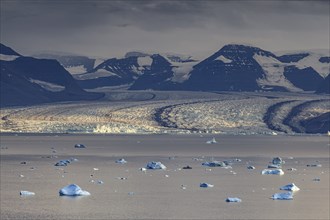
(113, 27)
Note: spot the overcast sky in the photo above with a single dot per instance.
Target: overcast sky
(112, 28)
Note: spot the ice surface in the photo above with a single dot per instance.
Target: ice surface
(73, 190)
(272, 172)
(290, 187)
(155, 165)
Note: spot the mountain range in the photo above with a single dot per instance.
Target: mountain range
(27, 80)
(54, 77)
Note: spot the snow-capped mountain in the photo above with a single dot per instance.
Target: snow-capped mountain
(27, 80)
(114, 72)
(240, 68)
(74, 64)
(139, 69)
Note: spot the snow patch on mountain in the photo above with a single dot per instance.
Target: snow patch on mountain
(273, 70)
(76, 69)
(181, 71)
(5, 57)
(224, 59)
(97, 74)
(144, 61)
(313, 61)
(52, 87)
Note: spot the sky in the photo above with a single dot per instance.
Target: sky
(108, 29)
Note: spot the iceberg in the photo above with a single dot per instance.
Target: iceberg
(233, 199)
(26, 193)
(250, 167)
(290, 187)
(278, 161)
(206, 185)
(155, 165)
(215, 164)
(73, 190)
(283, 196)
(212, 141)
(272, 172)
(79, 146)
(121, 161)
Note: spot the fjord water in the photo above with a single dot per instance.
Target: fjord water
(128, 193)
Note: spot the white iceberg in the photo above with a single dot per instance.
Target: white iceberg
(212, 141)
(206, 185)
(26, 193)
(155, 165)
(73, 190)
(121, 161)
(272, 172)
(233, 199)
(290, 187)
(283, 196)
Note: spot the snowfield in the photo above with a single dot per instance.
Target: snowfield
(147, 112)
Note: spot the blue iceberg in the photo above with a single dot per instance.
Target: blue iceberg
(73, 190)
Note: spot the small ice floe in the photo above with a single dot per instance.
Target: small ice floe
(278, 161)
(121, 161)
(283, 196)
(251, 168)
(187, 168)
(143, 169)
(95, 168)
(292, 169)
(272, 172)
(214, 164)
(205, 185)
(314, 165)
(73, 190)
(155, 165)
(62, 163)
(290, 187)
(233, 199)
(122, 178)
(79, 146)
(183, 186)
(290, 158)
(26, 193)
(212, 141)
(167, 176)
(21, 175)
(100, 182)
